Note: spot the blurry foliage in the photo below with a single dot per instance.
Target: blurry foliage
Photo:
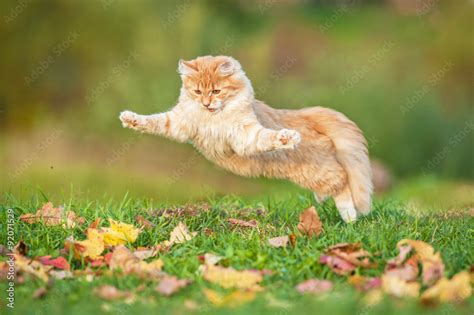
(78, 63)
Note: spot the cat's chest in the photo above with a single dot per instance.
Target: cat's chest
(213, 140)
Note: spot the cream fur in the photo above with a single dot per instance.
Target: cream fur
(317, 148)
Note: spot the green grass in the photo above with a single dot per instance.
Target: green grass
(242, 249)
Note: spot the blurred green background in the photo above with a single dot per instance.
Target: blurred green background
(401, 69)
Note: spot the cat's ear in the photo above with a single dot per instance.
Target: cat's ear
(228, 67)
(186, 67)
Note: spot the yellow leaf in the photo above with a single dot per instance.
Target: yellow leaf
(395, 286)
(233, 299)
(455, 290)
(231, 278)
(119, 233)
(92, 247)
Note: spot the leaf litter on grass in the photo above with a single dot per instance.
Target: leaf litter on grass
(416, 272)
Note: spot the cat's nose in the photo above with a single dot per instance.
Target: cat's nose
(206, 105)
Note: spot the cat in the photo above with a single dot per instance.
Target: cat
(317, 148)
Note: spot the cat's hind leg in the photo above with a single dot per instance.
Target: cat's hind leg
(345, 205)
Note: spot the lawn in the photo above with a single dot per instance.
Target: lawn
(242, 248)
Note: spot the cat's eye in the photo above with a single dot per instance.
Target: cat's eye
(197, 92)
(216, 91)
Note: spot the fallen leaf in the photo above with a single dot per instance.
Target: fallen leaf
(21, 248)
(314, 286)
(431, 262)
(110, 293)
(95, 224)
(145, 253)
(231, 278)
(210, 259)
(395, 286)
(455, 290)
(32, 267)
(242, 223)
(59, 262)
(119, 233)
(292, 240)
(343, 258)
(310, 224)
(51, 216)
(233, 299)
(123, 259)
(180, 234)
(280, 241)
(91, 247)
(144, 222)
(169, 285)
(408, 271)
(365, 284)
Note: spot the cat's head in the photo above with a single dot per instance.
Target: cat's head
(211, 81)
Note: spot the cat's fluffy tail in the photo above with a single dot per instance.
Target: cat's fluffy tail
(351, 152)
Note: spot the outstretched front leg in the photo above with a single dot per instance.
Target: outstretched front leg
(168, 124)
(255, 139)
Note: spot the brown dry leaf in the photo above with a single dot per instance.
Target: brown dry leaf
(365, 284)
(144, 222)
(32, 267)
(393, 285)
(242, 223)
(310, 224)
(123, 259)
(210, 259)
(292, 240)
(314, 286)
(21, 248)
(343, 258)
(432, 264)
(110, 293)
(455, 290)
(143, 253)
(233, 299)
(180, 234)
(51, 216)
(280, 241)
(95, 224)
(231, 278)
(170, 284)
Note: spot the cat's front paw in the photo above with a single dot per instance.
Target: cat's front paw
(129, 119)
(287, 139)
